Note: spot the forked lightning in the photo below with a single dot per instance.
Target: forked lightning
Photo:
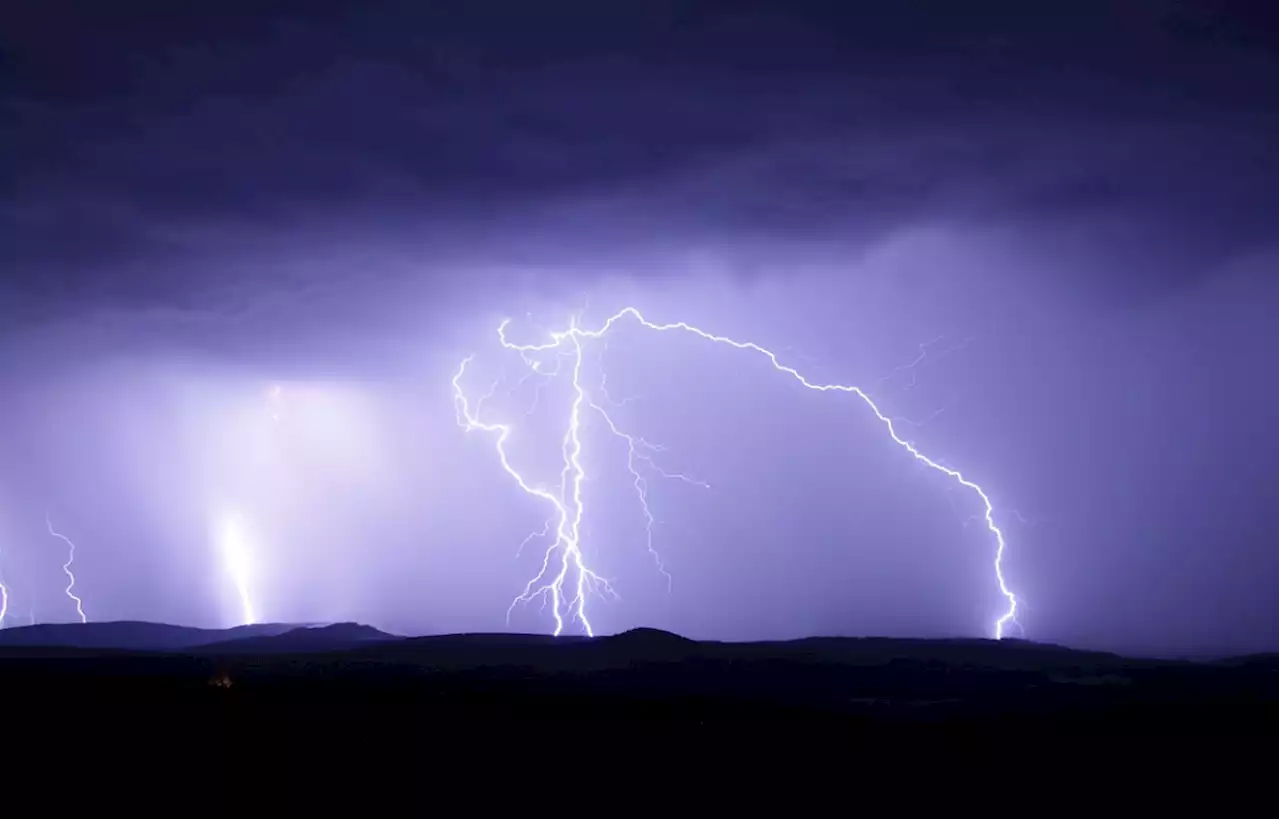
(565, 579)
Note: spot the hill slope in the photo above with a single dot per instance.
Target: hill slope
(336, 637)
(643, 672)
(128, 635)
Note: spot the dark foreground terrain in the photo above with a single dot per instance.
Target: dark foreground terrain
(290, 696)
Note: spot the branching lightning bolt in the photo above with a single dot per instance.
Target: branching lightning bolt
(66, 567)
(4, 600)
(640, 451)
(912, 368)
(567, 505)
(567, 502)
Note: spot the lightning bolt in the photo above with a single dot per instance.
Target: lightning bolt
(911, 369)
(4, 595)
(550, 583)
(4, 600)
(66, 567)
(566, 502)
(640, 451)
(232, 539)
(235, 551)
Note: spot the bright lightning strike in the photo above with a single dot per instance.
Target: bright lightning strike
(4, 595)
(566, 582)
(4, 600)
(234, 544)
(567, 597)
(66, 568)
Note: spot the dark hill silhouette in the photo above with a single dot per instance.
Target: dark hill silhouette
(128, 635)
(335, 637)
(352, 685)
(647, 645)
(963, 651)
(642, 645)
(645, 636)
(470, 651)
(541, 651)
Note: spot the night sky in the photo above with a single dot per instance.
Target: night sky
(1069, 205)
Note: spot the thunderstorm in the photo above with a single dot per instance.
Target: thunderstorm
(566, 580)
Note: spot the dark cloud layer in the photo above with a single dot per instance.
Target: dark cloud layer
(163, 136)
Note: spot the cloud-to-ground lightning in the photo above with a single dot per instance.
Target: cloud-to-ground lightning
(4, 599)
(233, 542)
(66, 568)
(566, 503)
(232, 537)
(567, 595)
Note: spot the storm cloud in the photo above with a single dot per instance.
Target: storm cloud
(196, 204)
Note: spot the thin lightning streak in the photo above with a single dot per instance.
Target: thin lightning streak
(544, 376)
(4, 595)
(931, 417)
(486, 397)
(1031, 524)
(604, 385)
(572, 475)
(546, 529)
(609, 399)
(912, 367)
(66, 567)
(638, 449)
